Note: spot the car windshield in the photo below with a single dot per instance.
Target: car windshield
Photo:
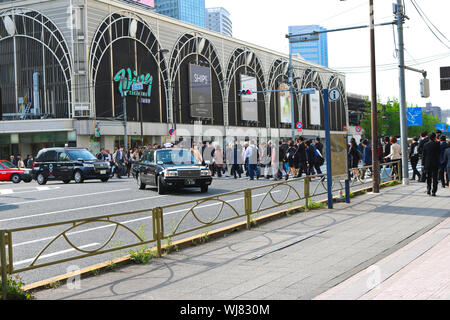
(175, 156)
(8, 165)
(80, 154)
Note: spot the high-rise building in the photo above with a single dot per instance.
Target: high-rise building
(218, 19)
(190, 11)
(313, 51)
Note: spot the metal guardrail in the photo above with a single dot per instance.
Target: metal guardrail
(227, 210)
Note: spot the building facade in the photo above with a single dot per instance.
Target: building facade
(68, 67)
(314, 51)
(218, 19)
(434, 111)
(190, 11)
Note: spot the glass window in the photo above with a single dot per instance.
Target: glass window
(62, 156)
(176, 156)
(82, 154)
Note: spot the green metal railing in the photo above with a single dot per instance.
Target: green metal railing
(245, 207)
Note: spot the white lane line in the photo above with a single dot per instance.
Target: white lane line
(54, 254)
(130, 221)
(33, 189)
(78, 209)
(65, 197)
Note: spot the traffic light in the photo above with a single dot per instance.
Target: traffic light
(97, 131)
(245, 92)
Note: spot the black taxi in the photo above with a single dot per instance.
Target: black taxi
(171, 168)
(68, 164)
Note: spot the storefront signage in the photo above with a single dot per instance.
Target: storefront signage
(129, 79)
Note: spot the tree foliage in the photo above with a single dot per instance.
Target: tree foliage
(388, 116)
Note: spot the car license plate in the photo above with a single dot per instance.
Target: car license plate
(189, 182)
(102, 171)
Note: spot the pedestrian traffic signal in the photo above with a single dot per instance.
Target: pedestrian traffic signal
(97, 132)
(245, 92)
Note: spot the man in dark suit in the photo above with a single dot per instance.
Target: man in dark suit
(431, 162)
(120, 160)
(422, 141)
(387, 148)
(301, 157)
(414, 158)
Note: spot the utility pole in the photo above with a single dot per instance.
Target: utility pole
(399, 15)
(373, 104)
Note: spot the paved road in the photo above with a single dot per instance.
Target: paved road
(24, 205)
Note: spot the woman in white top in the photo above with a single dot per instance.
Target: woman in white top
(396, 153)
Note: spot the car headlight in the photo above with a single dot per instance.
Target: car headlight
(171, 173)
(206, 172)
(88, 165)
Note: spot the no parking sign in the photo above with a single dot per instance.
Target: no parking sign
(299, 125)
(358, 129)
(172, 132)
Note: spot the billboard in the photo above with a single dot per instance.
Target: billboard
(285, 104)
(200, 91)
(414, 117)
(249, 104)
(314, 107)
(338, 147)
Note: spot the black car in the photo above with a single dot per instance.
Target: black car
(171, 169)
(68, 164)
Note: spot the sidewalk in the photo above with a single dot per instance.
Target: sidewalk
(402, 236)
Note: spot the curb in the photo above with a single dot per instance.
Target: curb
(180, 244)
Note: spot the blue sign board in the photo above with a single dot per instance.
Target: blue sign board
(440, 126)
(413, 117)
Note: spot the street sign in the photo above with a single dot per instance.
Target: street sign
(413, 117)
(308, 91)
(172, 132)
(358, 129)
(335, 95)
(137, 86)
(294, 38)
(299, 125)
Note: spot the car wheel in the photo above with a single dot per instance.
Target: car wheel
(66, 181)
(161, 188)
(41, 179)
(104, 179)
(204, 188)
(78, 177)
(139, 182)
(15, 178)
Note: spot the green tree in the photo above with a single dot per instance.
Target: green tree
(388, 116)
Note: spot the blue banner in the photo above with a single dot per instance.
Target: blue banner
(440, 126)
(413, 117)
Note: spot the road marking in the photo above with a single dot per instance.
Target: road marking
(29, 189)
(59, 198)
(77, 209)
(54, 254)
(129, 221)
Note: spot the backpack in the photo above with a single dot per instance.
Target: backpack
(318, 157)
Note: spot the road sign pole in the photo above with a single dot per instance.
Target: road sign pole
(291, 90)
(328, 148)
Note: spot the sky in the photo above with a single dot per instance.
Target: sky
(265, 23)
